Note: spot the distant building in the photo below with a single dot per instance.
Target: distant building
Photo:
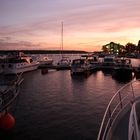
(112, 48)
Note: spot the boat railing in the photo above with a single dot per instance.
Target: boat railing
(9, 94)
(134, 133)
(119, 101)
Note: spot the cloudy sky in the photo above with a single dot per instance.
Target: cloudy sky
(88, 24)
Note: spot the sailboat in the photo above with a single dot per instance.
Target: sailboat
(65, 62)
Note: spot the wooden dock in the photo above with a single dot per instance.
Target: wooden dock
(46, 68)
(55, 67)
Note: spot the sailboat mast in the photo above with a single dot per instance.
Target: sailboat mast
(62, 37)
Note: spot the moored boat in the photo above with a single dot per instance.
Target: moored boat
(44, 60)
(17, 63)
(137, 72)
(93, 60)
(64, 63)
(123, 68)
(80, 66)
(108, 62)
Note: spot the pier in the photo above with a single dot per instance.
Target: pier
(54, 67)
(99, 67)
(45, 69)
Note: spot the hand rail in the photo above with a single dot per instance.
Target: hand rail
(133, 124)
(9, 95)
(104, 128)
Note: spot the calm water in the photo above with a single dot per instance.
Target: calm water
(56, 106)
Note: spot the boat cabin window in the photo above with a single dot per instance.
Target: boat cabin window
(108, 59)
(16, 60)
(31, 60)
(78, 62)
(9, 65)
(2, 65)
(95, 58)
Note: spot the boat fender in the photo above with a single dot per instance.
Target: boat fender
(7, 121)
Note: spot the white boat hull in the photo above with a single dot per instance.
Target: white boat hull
(18, 68)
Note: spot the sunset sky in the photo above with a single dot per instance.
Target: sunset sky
(88, 24)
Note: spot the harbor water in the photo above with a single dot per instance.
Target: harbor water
(57, 106)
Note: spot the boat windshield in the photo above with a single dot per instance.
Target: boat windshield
(75, 62)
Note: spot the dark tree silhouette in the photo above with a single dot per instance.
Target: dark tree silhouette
(138, 47)
(130, 47)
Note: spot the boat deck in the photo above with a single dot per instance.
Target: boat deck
(121, 129)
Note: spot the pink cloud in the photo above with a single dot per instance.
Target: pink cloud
(81, 18)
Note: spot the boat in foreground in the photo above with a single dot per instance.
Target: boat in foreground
(121, 120)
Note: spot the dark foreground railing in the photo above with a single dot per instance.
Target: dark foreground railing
(121, 98)
(9, 91)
